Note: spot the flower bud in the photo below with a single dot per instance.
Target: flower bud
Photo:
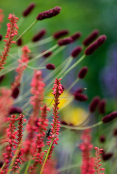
(76, 36)
(80, 97)
(47, 54)
(50, 66)
(110, 117)
(65, 41)
(0, 37)
(15, 93)
(76, 51)
(82, 73)
(28, 10)
(60, 33)
(102, 105)
(107, 156)
(94, 103)
(88, 40)
(49, 13)
(15, 110)
(102, 138)
(19, 42)
(39, 35)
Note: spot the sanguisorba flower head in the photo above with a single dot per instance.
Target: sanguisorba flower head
(11, 32)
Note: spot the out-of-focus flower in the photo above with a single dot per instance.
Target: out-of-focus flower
(74, 116)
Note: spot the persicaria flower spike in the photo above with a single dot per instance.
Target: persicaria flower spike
(50, 66)
(97, 161)
(86, 146)
(94, 103)
(39, 35)
(49, 13)
(57, 91)
(21, 67)
(65, 41)
(76, 51)
(91, 37)
(11, 32)
(82, 72)
(28, 10)
(60, 33)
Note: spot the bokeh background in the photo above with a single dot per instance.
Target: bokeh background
(83, 16)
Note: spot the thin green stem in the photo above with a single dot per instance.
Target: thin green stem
(25, 172)
(76, 63)
(27, 30)
(46, 156)
(68, 167)
(2, 167)
(70, 87)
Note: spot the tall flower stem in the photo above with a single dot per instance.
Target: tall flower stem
(46, 156)
(27, 30)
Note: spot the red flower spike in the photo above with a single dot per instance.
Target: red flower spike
(42, 124)
(21, 67)
(97, 161)
(18, 160)
(87, 160)
(11, 32)
(57, 91)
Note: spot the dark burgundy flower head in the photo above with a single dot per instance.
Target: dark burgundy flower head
(107, 156)
(76, 51)
(76, 36)
(94, 103)
(82, 73)
(46, 55)
(15, 110)
(2, 78)
(91, 48)
(15, 93)
(102, 105)
(1, 163)
(28, 10)
(49, 13)
(63, 87)
(88, 40)
(65, 41)
(95, 45)
(39, 35)
(101, 40)
(102, 138)
(63, 122)
(50, 66)
(60, 33)
(79, 90)
(0, 37)
(110, 117)
(19, 42)
(115, 132)
(80, 97)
